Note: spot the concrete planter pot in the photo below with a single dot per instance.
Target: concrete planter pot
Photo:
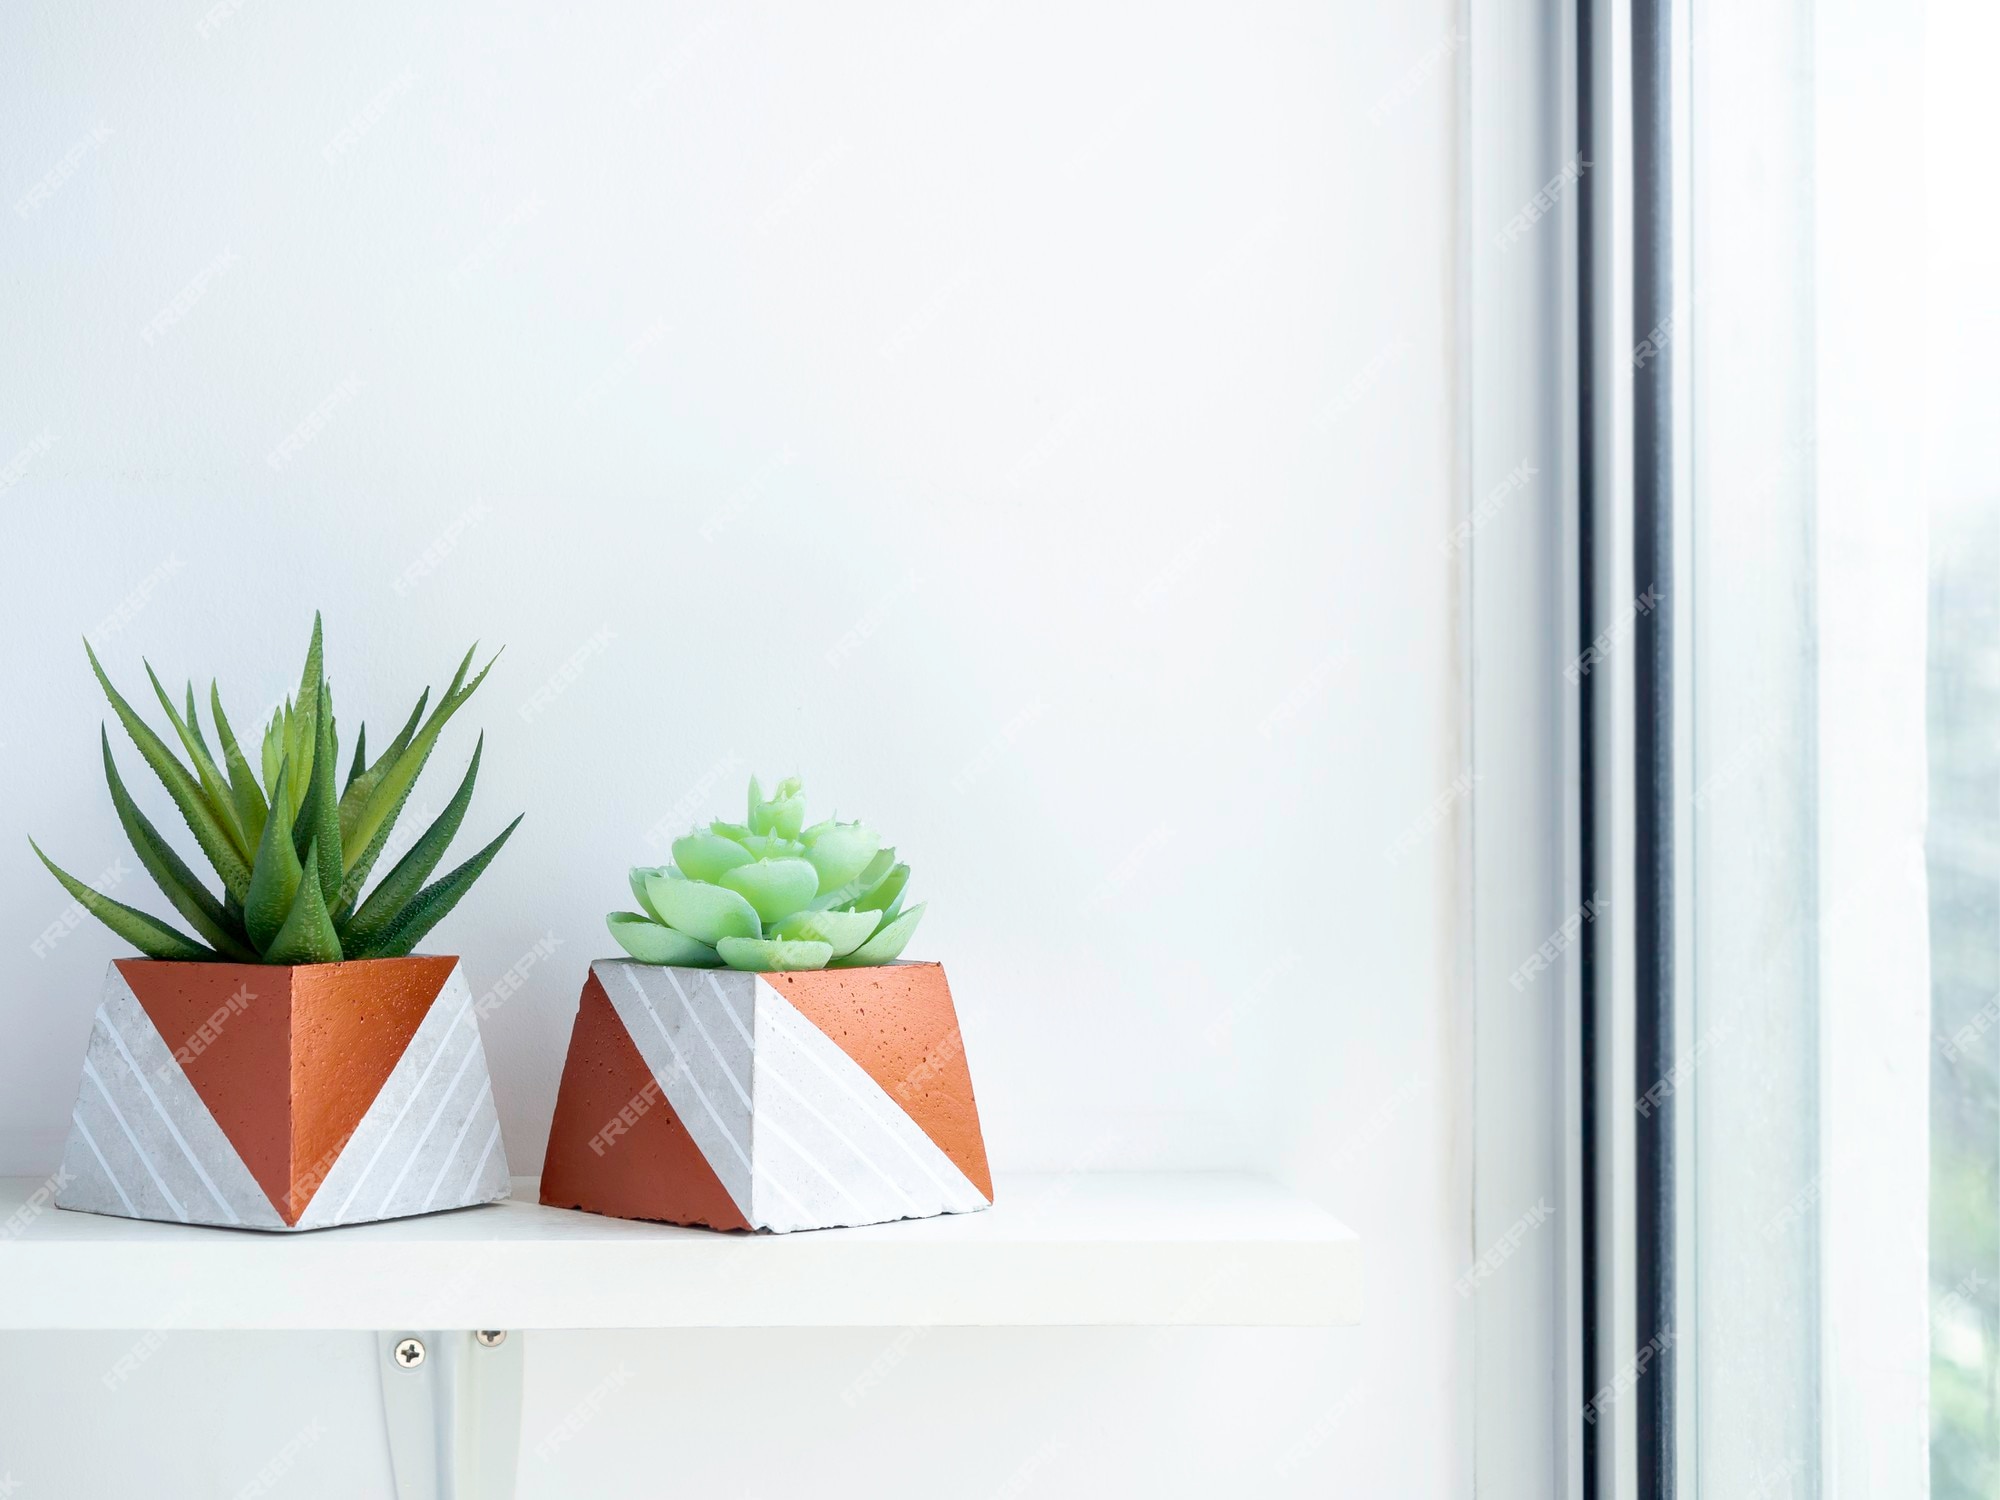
(766, 1101)
(264, 1097)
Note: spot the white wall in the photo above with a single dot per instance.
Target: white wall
(1033, 424)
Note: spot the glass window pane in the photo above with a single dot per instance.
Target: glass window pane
(1843, 1312)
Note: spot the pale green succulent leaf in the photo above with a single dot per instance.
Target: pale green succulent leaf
(788, 816)
(842, 931)
(773, 846)
(706, 913)
(847, 894)
(782, 814)
(774, 893)
(707, 856)
(775, 887)
(637, 877)
(887, 892)
(841, 853)
(769, 956)
(651, 943)
(888, 944)
(148, 934)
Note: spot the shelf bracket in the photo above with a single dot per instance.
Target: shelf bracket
(452, 1405)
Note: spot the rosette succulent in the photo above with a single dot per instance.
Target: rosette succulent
(771, 893)
(293, 850)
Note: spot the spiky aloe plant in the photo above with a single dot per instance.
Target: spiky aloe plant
(771, 894)
(293, 851)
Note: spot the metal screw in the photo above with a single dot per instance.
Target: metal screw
(492, 1338)
(410, 1353)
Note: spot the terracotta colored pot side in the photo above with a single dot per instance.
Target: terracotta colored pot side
(769, 1101)
(899, 1024)
(272, 1071)
(609, 1099)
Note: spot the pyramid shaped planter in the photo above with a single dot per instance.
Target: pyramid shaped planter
(766, 1101)
(265, 1097)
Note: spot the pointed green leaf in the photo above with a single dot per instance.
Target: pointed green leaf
(434, 902)
(386, 800)
(401, 884)
(274, 881)
(651, 943)
(464, 663)
(843, 931)
(182, 787)
(243, 788)
(359, 787)
(194, 726)
(888, 944)
(360, 758)
(214, 790)
(170, 873)
(307, 936)
(319, 815)
(272, 756)
(305, 729)
(704, 912)
(149, 935)
(756, 818)
(767, 956)
(776, 887)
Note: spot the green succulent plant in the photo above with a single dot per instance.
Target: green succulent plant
(293, 851)
(771, 893)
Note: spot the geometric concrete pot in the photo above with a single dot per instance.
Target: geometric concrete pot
(781, 1101)
(262, 1096)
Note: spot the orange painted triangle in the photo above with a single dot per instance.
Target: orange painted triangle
(898, 1024)
(351, 1024)
(288, 1059)
(229, 1027)
(616, 1145)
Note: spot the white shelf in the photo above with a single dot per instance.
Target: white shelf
(1076, 1249)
